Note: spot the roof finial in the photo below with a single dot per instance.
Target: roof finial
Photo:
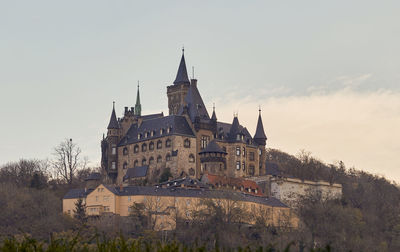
(259, 109)
(183, 49)
(193, 72)
(138, 84)
(213, 106)
(113, 104)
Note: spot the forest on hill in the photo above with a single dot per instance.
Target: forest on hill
(366, 218)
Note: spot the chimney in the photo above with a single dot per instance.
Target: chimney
(193, 82)
(126, 111)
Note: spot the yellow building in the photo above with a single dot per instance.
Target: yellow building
(166, 204)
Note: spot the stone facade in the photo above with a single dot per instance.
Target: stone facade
(175, 141)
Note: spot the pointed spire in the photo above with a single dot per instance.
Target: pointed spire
(235, 130)
(260, 137)
(113, 120)
(138, 106)
(214, 116)
(182, 76)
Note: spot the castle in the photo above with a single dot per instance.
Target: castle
(187, 142)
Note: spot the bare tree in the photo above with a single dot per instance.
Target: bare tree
(67, 160)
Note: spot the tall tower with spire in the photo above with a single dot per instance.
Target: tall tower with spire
(138, 106)
(109, 155)
(177, 92)
(260, 139)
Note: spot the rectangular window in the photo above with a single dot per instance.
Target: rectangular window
(251, 156)
(113, 165)
(114, 150)
(97, 198)
(237, 165)
(237, 151)
(204, 142)
(244, 151)
(129, 199)
(106, 198)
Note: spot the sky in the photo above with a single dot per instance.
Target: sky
(325, 73)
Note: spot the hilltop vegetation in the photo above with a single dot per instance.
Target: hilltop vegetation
(367, 218)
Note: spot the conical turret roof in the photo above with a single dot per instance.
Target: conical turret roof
(182, 75)
(214, 116)
(113, 120)
(213, 147)
(260, 136)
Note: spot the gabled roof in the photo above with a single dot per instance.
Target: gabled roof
(181, 75)
(136, 172)
(113, 120)
(213, 147)
(259, 136)
(185, 192)
(77, 193)
(223, 130)
(157, 127)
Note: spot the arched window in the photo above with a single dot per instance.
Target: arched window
(191, 158)
(186, 143)
(151, 146)
(125, 151)
(136, 149)
(168, 143)
(168, 157)
(159, 159)
(136, 163)
(151, 160)
(144, 147)
(125, 166)
(159, 144)
(144, 161)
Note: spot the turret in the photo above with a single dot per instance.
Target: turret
(260, 139)
(109, 147)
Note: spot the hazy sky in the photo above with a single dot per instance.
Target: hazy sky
(326, 73)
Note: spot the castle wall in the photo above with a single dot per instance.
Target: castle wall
(166, 209)
(289, 190)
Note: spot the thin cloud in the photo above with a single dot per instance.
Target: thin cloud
(359, 128)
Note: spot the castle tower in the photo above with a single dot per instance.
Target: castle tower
(109, 147)
(213, 159)
(177, 92)
(260, 139)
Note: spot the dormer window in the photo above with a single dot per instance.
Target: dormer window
(139, 136)
(153, 133)
(238, 137)
(147, 134)
(168, 130)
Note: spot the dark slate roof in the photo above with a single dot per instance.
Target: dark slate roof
(224, 130)
(177, 125)
(94, 176)
(77, 193)
(212, 147)
(186, 182)
(184, 192)
(152, 116)
(260, 136)
(136, 172)
(200, 193)
(272, 169)
(181, 75)
(214, 116)
(195, 104)
(113, 121)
